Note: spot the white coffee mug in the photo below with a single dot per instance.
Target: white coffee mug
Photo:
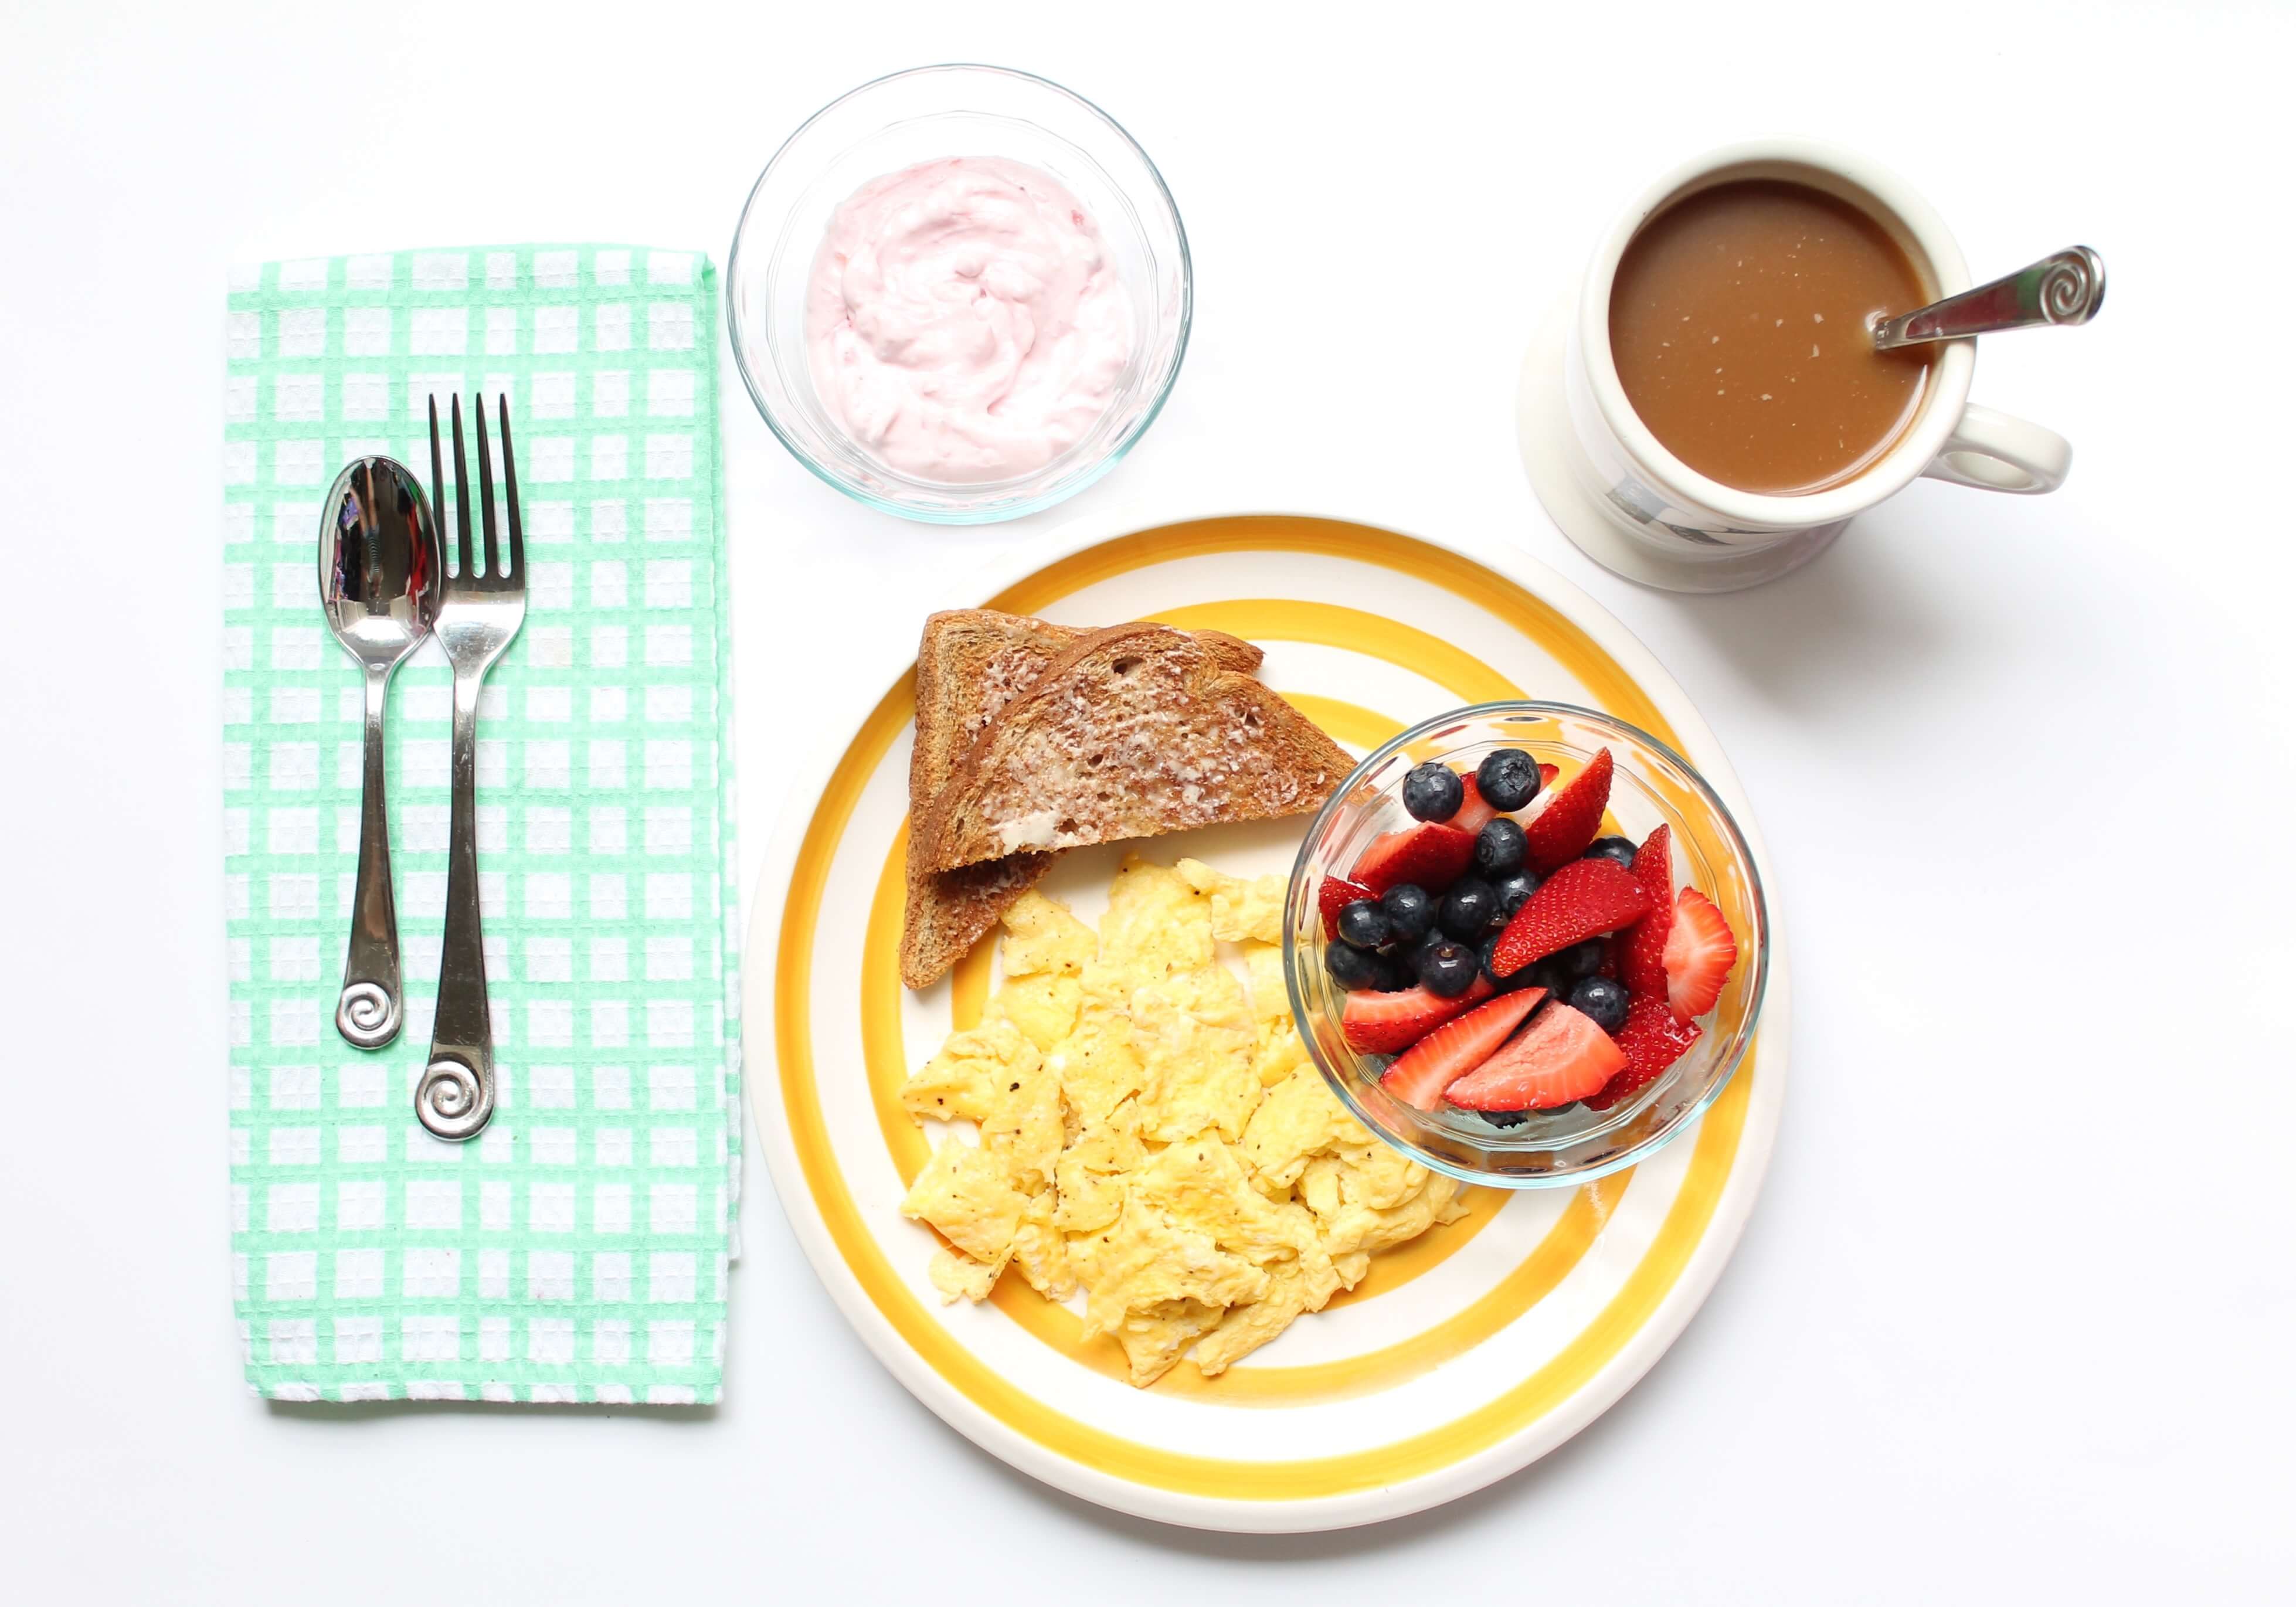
(1641, 511)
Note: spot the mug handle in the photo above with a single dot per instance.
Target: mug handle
(1996, 453)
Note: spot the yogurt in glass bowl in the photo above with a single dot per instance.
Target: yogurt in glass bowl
(959, 293)
(1650, 786)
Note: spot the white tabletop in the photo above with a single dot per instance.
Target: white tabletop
(2013, 1316)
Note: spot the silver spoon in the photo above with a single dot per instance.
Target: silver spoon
(378, 584)
(2067, 287)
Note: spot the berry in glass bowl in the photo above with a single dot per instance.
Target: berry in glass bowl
(1538, 994)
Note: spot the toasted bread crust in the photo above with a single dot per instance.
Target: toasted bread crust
(1132, 732)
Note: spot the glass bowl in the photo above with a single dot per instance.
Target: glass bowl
(1652, 785)
(917, 115)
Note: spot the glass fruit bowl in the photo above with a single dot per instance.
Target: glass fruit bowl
(1652, 785)
(918, 116)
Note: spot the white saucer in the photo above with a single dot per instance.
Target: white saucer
(1543, 431)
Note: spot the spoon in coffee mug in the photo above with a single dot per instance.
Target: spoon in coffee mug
(2067, 287)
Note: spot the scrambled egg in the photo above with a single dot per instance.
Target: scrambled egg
(1152, 1131)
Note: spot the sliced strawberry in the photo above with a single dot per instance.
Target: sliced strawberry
(1456, 1047)
(1335, 895)
(1560, 833)
(1642, 959)
(1609, 967)
(1651, 1040)
(1388, 1023)
(1474, 813)
(1562, 1057)
(1700, 950)
(1431, 856)
(1586, 898)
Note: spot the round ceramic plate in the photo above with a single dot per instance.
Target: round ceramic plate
(1464, 1353)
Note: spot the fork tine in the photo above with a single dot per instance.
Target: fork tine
(461, 497)
(517, 572)
(438, 490)
(487, 493)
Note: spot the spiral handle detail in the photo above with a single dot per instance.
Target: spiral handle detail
(2067, 287)
(367, 1015)
(452, 1102)
(2072, 286)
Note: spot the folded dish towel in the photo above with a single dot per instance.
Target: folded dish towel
(576, 1251)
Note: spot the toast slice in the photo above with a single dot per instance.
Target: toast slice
(971, 663)
(1133, 732)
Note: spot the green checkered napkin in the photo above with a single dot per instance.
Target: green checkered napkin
(575, 1252)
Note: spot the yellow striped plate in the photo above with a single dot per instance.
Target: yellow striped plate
(1465, 1355)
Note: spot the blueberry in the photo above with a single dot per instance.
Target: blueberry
(1396, 973)
(1352, 968)
(1467, 909)
(1504, 1118)
(1515, 890)
(1602, 1000)
(1544, 973)
(1433, 791)
(1410, 911)
(1447, 969)
(1364, 924)
(1499, 847)
(1507, 778)
(1579, 960)
(1619, 848)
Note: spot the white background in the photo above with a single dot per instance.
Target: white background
(2014, 1317)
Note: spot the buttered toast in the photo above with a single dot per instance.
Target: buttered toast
(1131, 732)
(972, 663)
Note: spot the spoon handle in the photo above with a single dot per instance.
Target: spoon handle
(368, 1013)
(2067, 287)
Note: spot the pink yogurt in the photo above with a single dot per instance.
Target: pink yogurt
(964, 321)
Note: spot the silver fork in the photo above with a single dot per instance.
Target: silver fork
(479, 611)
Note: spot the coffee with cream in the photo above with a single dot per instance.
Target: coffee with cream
(1740, 329)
